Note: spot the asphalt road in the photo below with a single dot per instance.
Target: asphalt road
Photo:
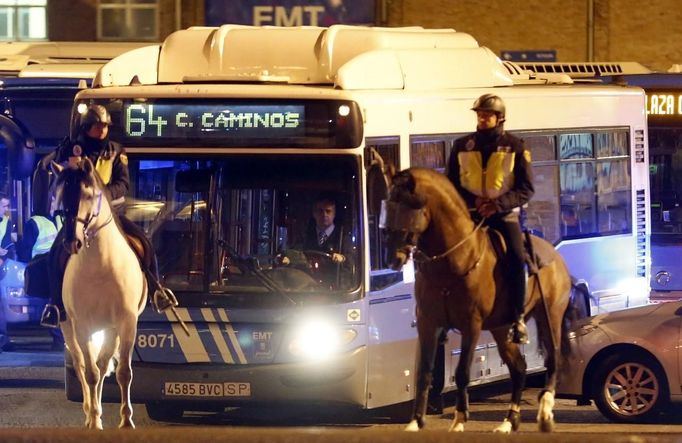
(33, 407)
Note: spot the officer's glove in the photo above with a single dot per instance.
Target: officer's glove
(338, 258)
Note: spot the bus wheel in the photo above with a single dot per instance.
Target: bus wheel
(164, 411)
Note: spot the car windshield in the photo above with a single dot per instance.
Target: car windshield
(238, 225)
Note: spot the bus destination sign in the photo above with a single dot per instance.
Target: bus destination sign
(168, 120)
(664, 107)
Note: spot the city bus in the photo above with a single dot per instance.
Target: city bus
(664, 116)
(231, 134)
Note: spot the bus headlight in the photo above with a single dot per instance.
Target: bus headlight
(317, 340)
(14, 292)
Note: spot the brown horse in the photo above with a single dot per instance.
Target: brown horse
(460, 285)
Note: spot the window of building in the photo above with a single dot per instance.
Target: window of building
(127, 19)
(23, 20)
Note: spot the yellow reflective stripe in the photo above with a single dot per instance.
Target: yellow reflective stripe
(192, 347)
(500, 177)
(492, 181)
(3, 227)
(104, 168)
(47, 232)
(233, 337)
(217, 335)
(471, 171)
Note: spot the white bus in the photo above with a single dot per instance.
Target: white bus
(231, 133)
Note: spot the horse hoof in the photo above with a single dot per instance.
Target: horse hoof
(546, 425)
(504, 428)
(413, 426)
(456, 427)
(126, 424)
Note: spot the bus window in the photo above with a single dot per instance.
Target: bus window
(218, 225)
(430, 154)
(541, 213)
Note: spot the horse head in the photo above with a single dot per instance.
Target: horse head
(79, 193)
(404, 217)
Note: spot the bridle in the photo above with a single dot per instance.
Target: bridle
(89, 234)
(412, 221)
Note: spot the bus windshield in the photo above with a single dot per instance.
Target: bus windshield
(237, 224)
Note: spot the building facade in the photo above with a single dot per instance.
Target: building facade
(576, 30)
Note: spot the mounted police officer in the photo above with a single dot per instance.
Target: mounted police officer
(111, 163)
(491, 170)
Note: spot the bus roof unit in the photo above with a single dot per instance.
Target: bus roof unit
(586, 69)
(347, 57)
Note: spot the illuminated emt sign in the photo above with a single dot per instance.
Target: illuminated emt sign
(238, 123)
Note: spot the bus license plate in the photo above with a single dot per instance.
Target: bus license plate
(232, 389)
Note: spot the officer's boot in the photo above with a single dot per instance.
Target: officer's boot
(518, 332)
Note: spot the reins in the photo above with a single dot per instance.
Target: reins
(89, 235)
(421, 257)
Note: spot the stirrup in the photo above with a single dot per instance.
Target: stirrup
(164, 299)
(50, 318)
(518, 333)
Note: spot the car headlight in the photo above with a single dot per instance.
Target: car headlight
(14, 292)
(317, 340)
(581, 331)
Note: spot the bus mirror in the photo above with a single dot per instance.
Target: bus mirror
(20, 148)
(196, 180)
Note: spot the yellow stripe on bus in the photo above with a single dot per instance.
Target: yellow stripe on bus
(191, 346)
(233, 337)
(217, 335)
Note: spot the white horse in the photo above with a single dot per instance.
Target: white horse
(104, 289)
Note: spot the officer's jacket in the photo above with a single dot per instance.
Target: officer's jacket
(109, 158)
(496, 167)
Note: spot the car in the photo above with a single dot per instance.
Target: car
(627, 361)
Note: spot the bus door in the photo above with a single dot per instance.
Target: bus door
(392, 327)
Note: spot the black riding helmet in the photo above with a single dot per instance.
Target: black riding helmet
(490, 103)
(94, 114)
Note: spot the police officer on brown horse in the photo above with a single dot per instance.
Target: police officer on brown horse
(111, 164)
(491, 170)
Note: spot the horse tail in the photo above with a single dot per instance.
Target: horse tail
(579, 307)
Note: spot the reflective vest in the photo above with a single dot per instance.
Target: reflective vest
(3, 227)
(104, 168)
(47, 232)
(491, 181)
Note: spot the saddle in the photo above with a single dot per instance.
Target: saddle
(539, 253)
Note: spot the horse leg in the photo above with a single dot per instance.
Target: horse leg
(109, 345)
(551, 343)
(428, 341)
(78, 365)
(94, 414)
(516, 363)
(124, 370)
(463, 376)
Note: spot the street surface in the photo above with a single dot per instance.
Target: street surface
(34, 407)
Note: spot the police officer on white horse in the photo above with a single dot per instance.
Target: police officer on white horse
(111, 164)
(491, 169)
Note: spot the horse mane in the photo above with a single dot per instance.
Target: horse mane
(80, 175)
(434, 183)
